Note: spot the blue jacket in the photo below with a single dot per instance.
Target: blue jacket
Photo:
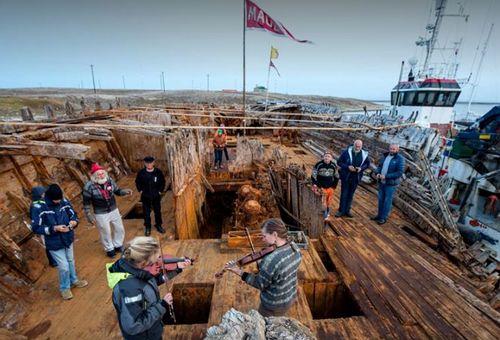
(46, 215)
(345, 160)
(395, 170)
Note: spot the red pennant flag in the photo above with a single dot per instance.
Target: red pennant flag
(258, 19)
(271, 64)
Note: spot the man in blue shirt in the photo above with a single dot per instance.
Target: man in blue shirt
(389, 172)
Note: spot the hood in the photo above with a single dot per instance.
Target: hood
(37, 193)
(121, 269)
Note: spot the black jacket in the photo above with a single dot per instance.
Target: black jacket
(150, 184)
(325, 175)
(137, 300)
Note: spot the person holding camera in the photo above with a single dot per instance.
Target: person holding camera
(56, 220)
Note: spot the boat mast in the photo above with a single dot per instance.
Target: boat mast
(476, 76)
(434, 30)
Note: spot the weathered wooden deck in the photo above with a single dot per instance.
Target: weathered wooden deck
(383, 283)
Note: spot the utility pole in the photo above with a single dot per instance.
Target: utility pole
(123, 80)
(99, 82)
(208, 82)
(93, 80)
(163, 80)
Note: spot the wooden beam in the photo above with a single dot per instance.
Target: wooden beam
(41, 170)
(20, 203)
(75, 174)
(25, 183)
(48, 149)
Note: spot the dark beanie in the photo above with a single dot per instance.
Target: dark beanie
(54, 192)
(149, 159)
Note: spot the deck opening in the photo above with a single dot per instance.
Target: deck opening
(323, 255)
(332, 300)
(192, 303)
(217, 213)
(135, 213)
(299, 152)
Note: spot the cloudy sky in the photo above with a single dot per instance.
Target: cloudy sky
(357, 51)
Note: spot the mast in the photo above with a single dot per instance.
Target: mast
(434, 30)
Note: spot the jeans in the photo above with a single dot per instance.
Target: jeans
(147, 203)
(218, 156)
(385, 193)
(66, 267)
(347, 189)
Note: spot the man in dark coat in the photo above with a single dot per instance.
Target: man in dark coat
(150, 182)
(352, 162)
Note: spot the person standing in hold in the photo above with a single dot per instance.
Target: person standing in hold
(56, 220)
(136, 295)
(150, 182)
(223, 127)
(100, 192)
(277, 276)
(219, 143)
(37, 202)
(324, 177)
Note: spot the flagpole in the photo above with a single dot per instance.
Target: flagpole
(244, 72)
(268, 76)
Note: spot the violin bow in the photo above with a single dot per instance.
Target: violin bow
(170, 305)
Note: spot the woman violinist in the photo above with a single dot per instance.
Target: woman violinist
(277, 276)
(136, 295)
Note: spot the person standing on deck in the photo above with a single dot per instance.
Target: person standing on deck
(150, 182)
(56, 219)
(36, 202)
(324, 176)
(219, 143)
(389, 171)
(136, 295)
(100, 192)
(277, 276)
(352, 162)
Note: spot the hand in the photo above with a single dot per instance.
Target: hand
(168, 298)
(128, 192)
(351, 168)
(233, 267)
(382, 177)
(358, 169)
(61, 228)
(73, 223)
(182, 265)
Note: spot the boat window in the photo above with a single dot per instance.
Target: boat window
(409, 97)
(441, 98)
(452, 98)
(430, 98)
(420, 98)
(393, 98)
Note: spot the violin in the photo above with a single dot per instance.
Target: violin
(250, 258)
(169, 264)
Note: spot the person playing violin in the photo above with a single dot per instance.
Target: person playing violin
(136, 296)
(277, 276)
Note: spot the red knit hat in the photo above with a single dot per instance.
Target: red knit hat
(95, 167)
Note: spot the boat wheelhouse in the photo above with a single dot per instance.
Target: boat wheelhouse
(428, 102)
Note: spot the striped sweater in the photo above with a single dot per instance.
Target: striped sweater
(277, 277)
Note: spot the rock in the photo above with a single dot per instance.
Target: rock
(253, 326)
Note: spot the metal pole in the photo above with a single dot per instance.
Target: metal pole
(208, 82)
(244, 73)
(267, 84)
(123, 80)
(93, 80)
(396, 101)
(163, 77)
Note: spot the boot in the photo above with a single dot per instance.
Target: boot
(147, 231)
(160, 229)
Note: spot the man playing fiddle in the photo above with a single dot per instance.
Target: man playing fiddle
(277, 276)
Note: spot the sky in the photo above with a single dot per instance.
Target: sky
(357, 51)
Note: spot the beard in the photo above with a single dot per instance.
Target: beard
(97, 180)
